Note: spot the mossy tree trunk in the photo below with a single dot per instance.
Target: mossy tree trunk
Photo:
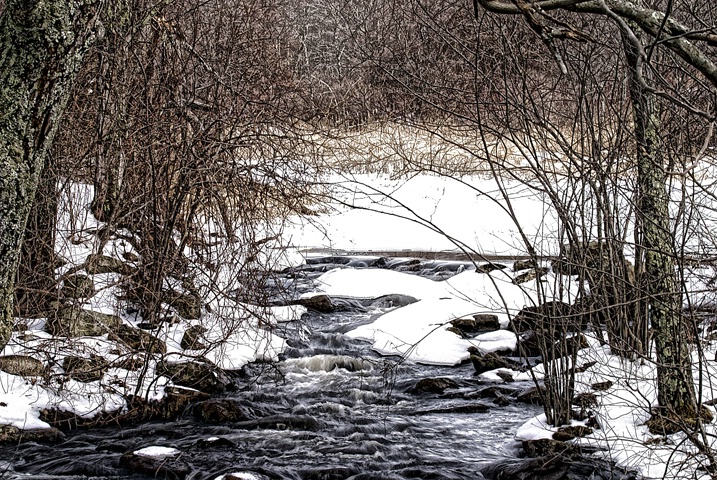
(658, 278)
(42, 44)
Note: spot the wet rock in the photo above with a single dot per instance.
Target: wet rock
(392, 301)
(96, 264)
(532, 395)
(167, 466)
(78, 286)
(71, 321)
(85, 369)
(557, 467)
(434, 385)
(283, 422)
(221, 410)
(138, 340)
(506, 377)
(474, 407)
(489, 361)
(22, 365)
(215, 442)
(10, 434)
(530, 275)
(320, 303)
(173, 405)
(202, 376)
(490, 267)
(193, 338)
(519, 265)
(496, 391)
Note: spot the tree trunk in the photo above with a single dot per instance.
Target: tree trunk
(42, 44)
(675, 390)
(35, 289)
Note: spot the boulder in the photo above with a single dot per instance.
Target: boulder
(174, 403)
(548, 447)
(10, 434)
(157, 462)
(97, 263)
(519, 265)
(530, 275)
(320, 303)
(222, 410)
(187, 304)
(490, 267)
(131, 362)
(85, 369)
(585, 400)
(22, 365)
(470, 327)
(489, 361)
(569, 432)
(202, 376)
(72, 321)
(434, 385)
(192, 338)
(601, 386)
(138, 340)
(486, 322)
(555, 314)
(532, 395)
(78, 286)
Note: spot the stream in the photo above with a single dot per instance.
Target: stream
(330, 409)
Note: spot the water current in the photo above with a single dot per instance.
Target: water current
(330, 409)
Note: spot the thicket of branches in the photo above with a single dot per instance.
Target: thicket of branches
(186, 115)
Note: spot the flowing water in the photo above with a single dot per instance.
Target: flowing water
(330, 409)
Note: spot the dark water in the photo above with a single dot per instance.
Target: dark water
(331, 409)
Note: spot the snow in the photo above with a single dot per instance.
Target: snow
(239, 476)
(157, 452)
(417, 332)
(471, 210)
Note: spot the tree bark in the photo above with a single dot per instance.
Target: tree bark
(42, 44)
(675, 391)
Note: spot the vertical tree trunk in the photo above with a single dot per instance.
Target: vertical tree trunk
(42, 44)
(675, 391)
(36, 284)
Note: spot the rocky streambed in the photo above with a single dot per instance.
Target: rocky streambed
(330, 408)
